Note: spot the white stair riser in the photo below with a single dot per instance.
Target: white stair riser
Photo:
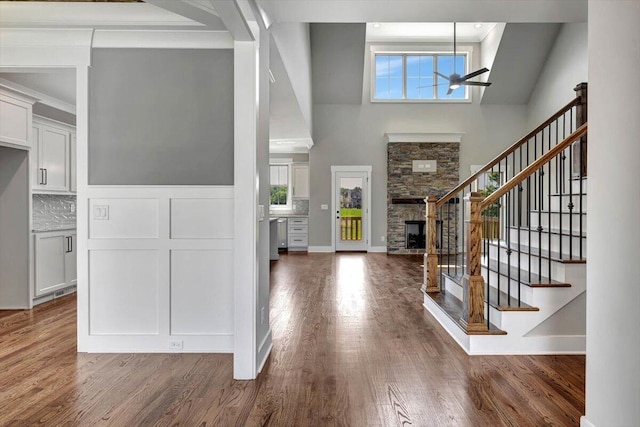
(526, 292)
(543, 219)
(555, 241)
(575, 186)
(557, 268)
(560, 203)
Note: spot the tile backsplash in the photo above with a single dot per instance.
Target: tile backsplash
(53, 212)
(300, 207)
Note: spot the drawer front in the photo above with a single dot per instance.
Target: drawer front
(298, 229)
(298, 241)
(298, 221)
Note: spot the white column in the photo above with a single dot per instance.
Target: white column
(613, 244)
(245, 208)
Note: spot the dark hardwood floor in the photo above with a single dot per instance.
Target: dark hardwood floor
(353, 346)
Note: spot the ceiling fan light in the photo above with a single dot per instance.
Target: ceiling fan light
(454, 86)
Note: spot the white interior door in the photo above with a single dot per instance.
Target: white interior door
(351, 210)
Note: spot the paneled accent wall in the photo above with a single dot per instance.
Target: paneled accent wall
(160, 269)
(404, 183)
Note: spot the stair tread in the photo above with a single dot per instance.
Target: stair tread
(567, 194)
(535, 280)
(511, 302)
(547, 211)
(453, 307)
(552, 231)
(555, 256)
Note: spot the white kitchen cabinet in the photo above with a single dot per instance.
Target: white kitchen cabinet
(300, 177)
(298, 234)
(55, 261)
(51, 162)
(15, 118)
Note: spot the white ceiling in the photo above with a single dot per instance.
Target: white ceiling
(427, 32)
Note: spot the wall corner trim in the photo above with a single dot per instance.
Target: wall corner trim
(424, 137)
(584, 422)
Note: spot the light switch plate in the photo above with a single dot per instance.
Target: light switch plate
(101, 212)
(260, 212)
(324, 207)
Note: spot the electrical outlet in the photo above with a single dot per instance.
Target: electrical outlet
(382, 238)
(73, 208)
(262, 316)
(175, 344)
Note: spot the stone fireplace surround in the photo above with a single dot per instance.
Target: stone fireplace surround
(406, 190)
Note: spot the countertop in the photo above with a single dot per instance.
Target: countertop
(49, 230)
(288, 215)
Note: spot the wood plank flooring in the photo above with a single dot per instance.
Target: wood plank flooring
(353, 346)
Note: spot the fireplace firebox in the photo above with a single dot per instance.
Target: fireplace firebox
(415, 234)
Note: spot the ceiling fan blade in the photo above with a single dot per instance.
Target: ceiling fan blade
(437, 84)
(475, 73)
(449, 91)
(443, 76)
(475, 83)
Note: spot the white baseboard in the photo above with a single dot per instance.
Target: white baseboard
(264, 350)
(380, 249)
(320, 249)
(584, 422)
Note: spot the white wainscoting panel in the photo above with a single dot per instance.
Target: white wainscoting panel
(124, 218)
(201, 218)
(160, 269)
(201, 288)
(123, 297)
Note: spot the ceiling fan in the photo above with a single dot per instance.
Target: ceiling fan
(455, 79)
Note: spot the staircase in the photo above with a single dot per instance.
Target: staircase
(513, 278)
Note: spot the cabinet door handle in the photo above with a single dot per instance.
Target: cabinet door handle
(70, 243)
(67, 237)
(46, 177)
(41, 180)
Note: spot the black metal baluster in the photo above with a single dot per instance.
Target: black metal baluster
(519, 210)
(580, 198)
(570, 205)
(548, 207)
(448, 237)
(509, 251)
(498, 242)
(529, 214)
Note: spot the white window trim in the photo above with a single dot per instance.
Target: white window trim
(418, 50)
(289, 205)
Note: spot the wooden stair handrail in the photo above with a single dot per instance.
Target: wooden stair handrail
(506, 152)
(532, 168)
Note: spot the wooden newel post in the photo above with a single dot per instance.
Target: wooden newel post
(473, 283)
(431, 254)
(579, 167)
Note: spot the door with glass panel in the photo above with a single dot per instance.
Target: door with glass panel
(351, 213)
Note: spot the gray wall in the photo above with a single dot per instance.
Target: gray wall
(161, 117)
(565, 67)
(14, 228)
(354, 135)
(613, 197)
(337, 58)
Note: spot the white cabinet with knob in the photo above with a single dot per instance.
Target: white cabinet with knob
(52, 156)
(55, 261)
(300, 180)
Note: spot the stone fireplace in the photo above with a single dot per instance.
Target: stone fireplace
(408, 186)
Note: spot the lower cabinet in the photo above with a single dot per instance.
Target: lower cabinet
(55, 261)
(298, 233)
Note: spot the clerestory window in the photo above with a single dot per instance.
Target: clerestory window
(411, 76)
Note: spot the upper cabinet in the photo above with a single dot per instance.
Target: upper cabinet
(52, 156)
(300, 175)
(15, 118)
